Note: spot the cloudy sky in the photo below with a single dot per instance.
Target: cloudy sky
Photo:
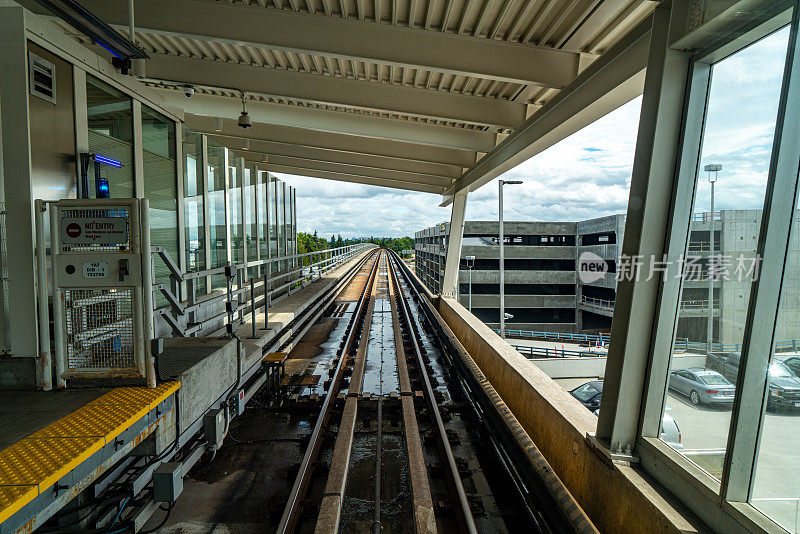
(588, 174)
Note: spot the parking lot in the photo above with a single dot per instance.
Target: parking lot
(777, 485)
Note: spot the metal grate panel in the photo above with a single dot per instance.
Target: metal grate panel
(99, 328)
(82, 213)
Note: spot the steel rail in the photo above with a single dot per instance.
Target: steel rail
(556, 503)
(291, 511)
(467, 520)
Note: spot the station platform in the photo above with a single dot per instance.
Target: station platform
(55, 444)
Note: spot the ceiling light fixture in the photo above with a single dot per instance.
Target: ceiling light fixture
(244, 119)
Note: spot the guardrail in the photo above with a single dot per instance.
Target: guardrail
(555, 352)
(706, 216)
(240, 294)
(785, 345)
(556, 336)
(700, 304)
(600, 304)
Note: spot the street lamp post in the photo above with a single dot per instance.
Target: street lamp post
(501, 183)
(470, 264)
(711, 168)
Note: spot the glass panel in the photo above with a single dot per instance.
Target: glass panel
(776, 486)
(263, 231)
(193, 214)
(720, 258)
(250, 218)
(216, 211)
(273, 222)
(110, 116)
(235, 210)
(160, 188)
(281, 225)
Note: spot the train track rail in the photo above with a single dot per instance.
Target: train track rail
(403, 443)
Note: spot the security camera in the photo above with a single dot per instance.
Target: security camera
(188, 90)
(244, 121)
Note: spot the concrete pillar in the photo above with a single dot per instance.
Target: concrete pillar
(449, 286)
(20, 370)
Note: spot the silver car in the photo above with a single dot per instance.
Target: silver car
(702, 386)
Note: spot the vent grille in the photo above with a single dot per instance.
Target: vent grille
(42, 78)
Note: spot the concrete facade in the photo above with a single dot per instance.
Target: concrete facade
(545, 292)
(543, 289)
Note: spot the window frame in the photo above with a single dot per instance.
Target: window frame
(724, 505)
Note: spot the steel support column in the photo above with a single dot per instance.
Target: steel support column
(453, 252)
(648, 216)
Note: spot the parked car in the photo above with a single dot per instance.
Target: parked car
(793, 364)
(591, 393)
(702, 386)
(725, 363)
(784, 385)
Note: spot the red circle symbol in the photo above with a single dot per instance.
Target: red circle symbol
(73, 230)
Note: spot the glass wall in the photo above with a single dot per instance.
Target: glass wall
(159, 167)
(193, 205)
(110, 116)
(251, 231)
(235, 209)
(273, 220)
(281, 206)
(263, 222)
(720, 255)
(216, 211)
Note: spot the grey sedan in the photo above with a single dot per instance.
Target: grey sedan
(702, 386)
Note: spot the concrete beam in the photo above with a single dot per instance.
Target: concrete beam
(349, 39)
(276, 149)
(334, 121)
(349, 144)
(369, 173)
(453, 252)
(329, 90)
(354, 178)
(611, 81)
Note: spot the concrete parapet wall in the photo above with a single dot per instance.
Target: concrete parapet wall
(618, 498)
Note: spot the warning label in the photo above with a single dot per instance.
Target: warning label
(94, 231)
(95, 269)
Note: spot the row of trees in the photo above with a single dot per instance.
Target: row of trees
(314, 243)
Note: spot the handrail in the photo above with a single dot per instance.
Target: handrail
(605, 304)
(242, 286)
(556, 336)
(555, 352)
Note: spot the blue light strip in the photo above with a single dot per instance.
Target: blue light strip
(109, 50)
(108, 161)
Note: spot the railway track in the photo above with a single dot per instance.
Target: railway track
(381, 447)
(384, 425)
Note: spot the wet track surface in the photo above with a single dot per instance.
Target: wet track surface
(246, 486)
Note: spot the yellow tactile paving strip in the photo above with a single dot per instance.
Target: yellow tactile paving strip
(35, 463)
(131, 395)
(105, 420)
(12, 498)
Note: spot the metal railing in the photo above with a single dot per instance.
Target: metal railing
(600, 304)
(699, 304)
(555, 352)
(242, 293)
(700, 347)
(557, 336)
(706, 216)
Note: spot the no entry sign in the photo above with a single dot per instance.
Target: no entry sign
(94, 231)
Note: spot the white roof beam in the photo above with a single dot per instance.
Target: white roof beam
(359, 179)
(350, 39)
(331, 90)
(332, 141)
(272, 148)
(613, 79)
(356, 170)
(334, 121)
